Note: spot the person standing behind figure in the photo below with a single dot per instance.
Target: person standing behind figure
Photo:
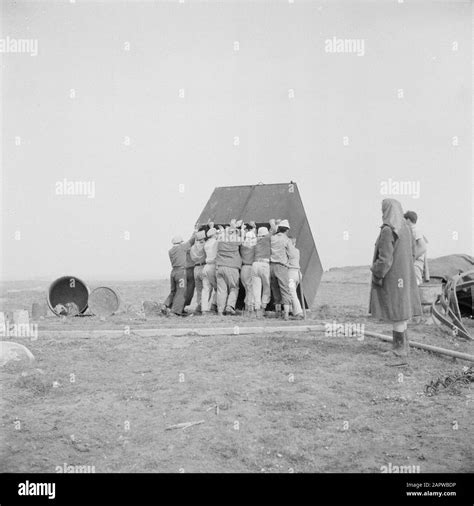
(394, 295)
(294, 276)
(247, 252)
(420, 246)
(198, 256)
(279, 278)
(209, 281)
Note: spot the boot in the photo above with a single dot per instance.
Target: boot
(397, 344)
(406, 343)
(251, 311)
(398, 351)
(286, 312)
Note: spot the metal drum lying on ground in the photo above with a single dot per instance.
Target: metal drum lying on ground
(103, 301)
(68, 296)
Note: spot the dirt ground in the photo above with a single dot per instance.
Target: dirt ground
(276, 402)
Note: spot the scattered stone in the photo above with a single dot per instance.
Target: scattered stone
(15, 356)
(151, 308)
(39, 310)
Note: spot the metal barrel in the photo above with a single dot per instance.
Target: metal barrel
(68, 291)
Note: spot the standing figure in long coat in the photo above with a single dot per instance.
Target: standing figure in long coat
(394, 295)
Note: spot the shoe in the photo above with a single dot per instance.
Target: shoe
(213, 308)
(229, 311)
(259, 313)
(298, 317)
(165, 310)
(399, 350)
(183, 314)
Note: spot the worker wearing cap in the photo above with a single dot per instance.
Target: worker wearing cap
(279, 276)
(198, 256)
(261, 268)
(209, 281)
(294, 274)
(176, 298)
(228, 264)
(247, 252)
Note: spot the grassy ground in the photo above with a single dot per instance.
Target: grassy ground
(278, 402)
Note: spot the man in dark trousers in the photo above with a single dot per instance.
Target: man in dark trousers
(176, 299)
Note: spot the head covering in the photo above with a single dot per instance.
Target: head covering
(211, 232)
(250, 234)
(411, 215)
(392, 214)
(284, 223)
(177, 239)
(200, 235)
(250, 239)
(262, 231)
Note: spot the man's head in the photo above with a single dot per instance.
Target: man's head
(262, 232)
(250, 238)
(211, 232)
(177, 239)
(283, 226)
(201, 236)
(411, 217)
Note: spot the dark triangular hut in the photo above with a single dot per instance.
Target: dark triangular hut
(260, 203)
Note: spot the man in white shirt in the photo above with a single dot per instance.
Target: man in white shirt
(420, 245)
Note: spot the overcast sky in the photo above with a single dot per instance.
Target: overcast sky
(138, 98)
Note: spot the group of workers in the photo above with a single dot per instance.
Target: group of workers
(216, 259)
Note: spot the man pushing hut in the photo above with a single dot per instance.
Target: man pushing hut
(176, 299)
(228, 265)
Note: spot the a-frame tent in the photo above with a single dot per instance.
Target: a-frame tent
(260, 203)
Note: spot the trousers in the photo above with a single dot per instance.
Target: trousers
(176, 298)
(227, 287)
(280, 284)
(261, 284)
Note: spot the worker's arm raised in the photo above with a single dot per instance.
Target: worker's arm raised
(273, 226)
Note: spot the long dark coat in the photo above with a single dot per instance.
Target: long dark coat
(394, 294)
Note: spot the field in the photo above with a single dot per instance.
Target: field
(275, 402)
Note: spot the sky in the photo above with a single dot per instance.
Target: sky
(144, 107)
